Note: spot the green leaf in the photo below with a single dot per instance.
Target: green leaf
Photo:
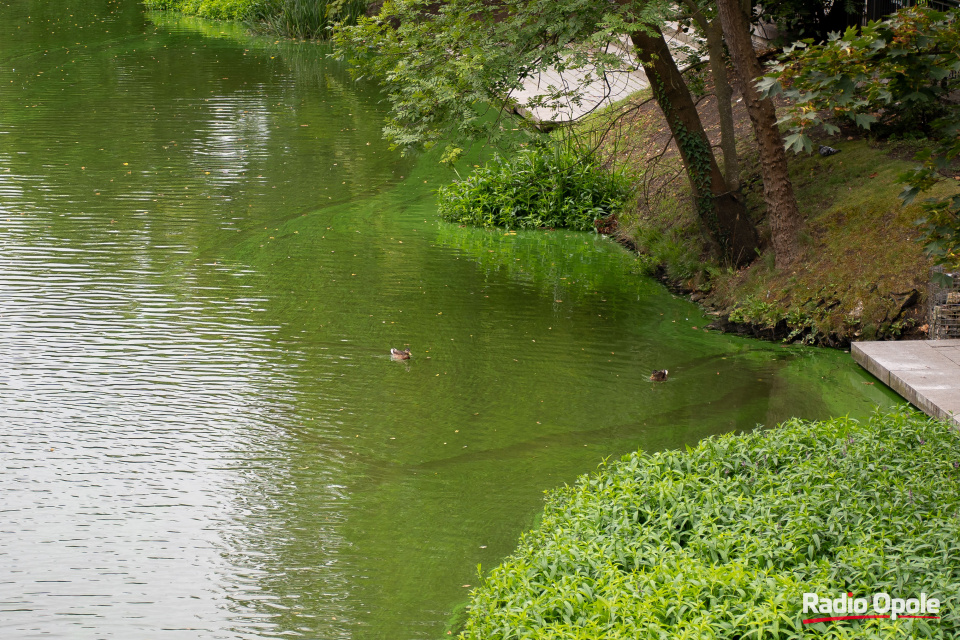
(798, 142)
(942, 280)
(909, 194)
(769, 86)
(864, 120)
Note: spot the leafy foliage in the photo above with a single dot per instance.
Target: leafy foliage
(292, 18)
(720, 541)
(895, 72)
(215, 9)
(813, 19)
(449, 68)
(898, 74)
(541, 187)
(304, 18)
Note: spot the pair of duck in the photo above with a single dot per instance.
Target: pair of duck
(658, 375)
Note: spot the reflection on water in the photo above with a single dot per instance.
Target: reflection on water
(206, 253)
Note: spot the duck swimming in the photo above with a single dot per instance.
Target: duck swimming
(397, 354)
(659, 375)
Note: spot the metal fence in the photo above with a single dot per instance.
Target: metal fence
(944, 304)
(878, 9)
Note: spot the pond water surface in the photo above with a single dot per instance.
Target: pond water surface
(206, 253)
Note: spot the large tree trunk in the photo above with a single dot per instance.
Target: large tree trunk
(723, 93)
(782, 209)
(721, 90)
(722, 214)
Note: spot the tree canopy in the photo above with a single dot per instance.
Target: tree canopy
(896, 75)
(450, 68)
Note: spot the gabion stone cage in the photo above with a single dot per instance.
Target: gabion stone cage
(944, 304)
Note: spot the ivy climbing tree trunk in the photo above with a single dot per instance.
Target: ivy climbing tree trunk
(722, 214)
(782, 208)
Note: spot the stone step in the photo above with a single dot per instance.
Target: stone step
(925, 372)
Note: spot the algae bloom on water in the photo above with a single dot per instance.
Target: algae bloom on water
(723, 540)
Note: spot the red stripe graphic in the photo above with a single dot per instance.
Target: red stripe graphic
(815, 620)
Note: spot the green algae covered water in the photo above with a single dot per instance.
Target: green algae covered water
(206, 254)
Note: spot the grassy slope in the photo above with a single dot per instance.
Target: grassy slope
(863, 275)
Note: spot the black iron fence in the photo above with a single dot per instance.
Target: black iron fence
(878, 9)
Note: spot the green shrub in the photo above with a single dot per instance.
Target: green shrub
(215, 9)
(289, 18)
(721, 541)
(556, 187)
(305, 18)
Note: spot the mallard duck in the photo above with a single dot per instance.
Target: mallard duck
(659, 375)
(397, 354)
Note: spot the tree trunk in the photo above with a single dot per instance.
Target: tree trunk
(721, 90)
(723, 93)
(722, 214)
(782, 209)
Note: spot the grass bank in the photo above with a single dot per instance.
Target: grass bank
(722, 540)
(862, 275)
(862, 272)
(213, 9)
(288, 18)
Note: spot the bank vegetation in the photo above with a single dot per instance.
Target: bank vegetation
(304, 19)
(807, 246)
(722, 540)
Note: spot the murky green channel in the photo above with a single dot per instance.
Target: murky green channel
(206, 253)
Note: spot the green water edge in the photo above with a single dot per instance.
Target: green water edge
(370, 489)
(569, 276)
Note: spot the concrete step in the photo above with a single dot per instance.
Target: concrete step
(925, 372)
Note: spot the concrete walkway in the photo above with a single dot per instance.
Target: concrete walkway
(925, 372)
(595, 93)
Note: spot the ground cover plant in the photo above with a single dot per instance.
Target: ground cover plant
(558, 186)
(722, 540)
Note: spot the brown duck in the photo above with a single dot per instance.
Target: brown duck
(659, 375)
(397, 354)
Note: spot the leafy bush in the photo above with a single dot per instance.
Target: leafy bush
(305, 18)
(895, 72)
(556, 187)
(722, 540)
(293, 18)
(903, 73)
(215, 9)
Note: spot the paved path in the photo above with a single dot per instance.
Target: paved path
(595, 93)
(925, 372)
